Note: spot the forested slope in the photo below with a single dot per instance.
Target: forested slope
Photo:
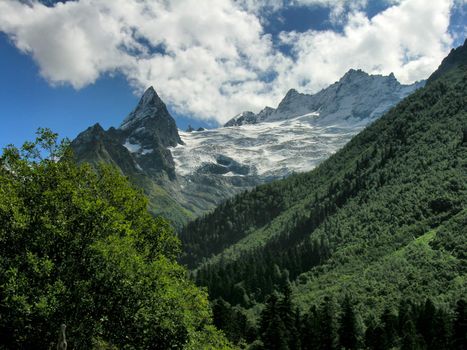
(383, 219)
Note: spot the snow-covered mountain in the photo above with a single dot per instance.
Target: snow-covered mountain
(356, 96)
(301, 132)
(188, 173)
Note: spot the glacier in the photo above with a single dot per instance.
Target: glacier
(269, 149)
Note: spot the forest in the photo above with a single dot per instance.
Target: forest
(330, 325)
(383, 221)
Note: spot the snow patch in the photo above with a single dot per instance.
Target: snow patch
(132, 147)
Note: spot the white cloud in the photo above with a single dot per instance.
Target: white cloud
(410, 40)
(212, 59)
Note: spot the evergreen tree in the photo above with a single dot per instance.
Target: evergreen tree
(286, 314)
(426, 324)
(408, 336)
(272, 329)
(295, 337)
(374, 337)
(327, 331)
(390, 325)
(441, 331)
(309, 330)
(406, 327)
(348, 337)
(459, 336)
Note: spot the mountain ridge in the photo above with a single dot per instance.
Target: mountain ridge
(325, 101)
(387, 209)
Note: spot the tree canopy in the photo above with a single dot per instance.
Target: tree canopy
(78, 246)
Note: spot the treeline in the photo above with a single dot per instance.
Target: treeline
(330, 325)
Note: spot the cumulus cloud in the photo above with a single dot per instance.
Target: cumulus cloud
(409, 40)
(213, 59)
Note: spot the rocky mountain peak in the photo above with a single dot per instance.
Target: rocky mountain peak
(151, 120)
(140, 144)
(150, 97)
(354, 73)
(357, 95)
(92, 134)
(291, 94)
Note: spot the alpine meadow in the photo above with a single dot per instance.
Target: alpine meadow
(297, 181)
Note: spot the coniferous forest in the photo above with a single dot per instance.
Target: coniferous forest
(367, 251)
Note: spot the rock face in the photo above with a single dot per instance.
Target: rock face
(250, 117)
(139, 144)
(355, 97)
(151, 122)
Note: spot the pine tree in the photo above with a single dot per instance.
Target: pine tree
(441, 331)
(348, 326)
(426, 322)
(221, 312)
(295, 338)
(389, 324)
(409, 339)
(286, 314)
(272, 330)
(327, 331)
(374, 337)
(459, 337)
(309, 330)
(407, 330)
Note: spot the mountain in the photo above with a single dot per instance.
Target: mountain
(139, 144)
(355, 97)
(382, 220)
(252, 149)
(186, 174)
(139, 149)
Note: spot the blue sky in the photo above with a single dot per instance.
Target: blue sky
(246, 56)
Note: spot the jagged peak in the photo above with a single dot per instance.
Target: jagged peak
(290, 93)
(150, 97)
(96, 126)
(149, 104)
(353, 73)
(95, 129)
(94, 132)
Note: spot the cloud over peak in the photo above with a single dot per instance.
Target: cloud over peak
(213, 59)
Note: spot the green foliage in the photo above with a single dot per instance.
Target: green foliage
(78, 246)
(330, 326)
